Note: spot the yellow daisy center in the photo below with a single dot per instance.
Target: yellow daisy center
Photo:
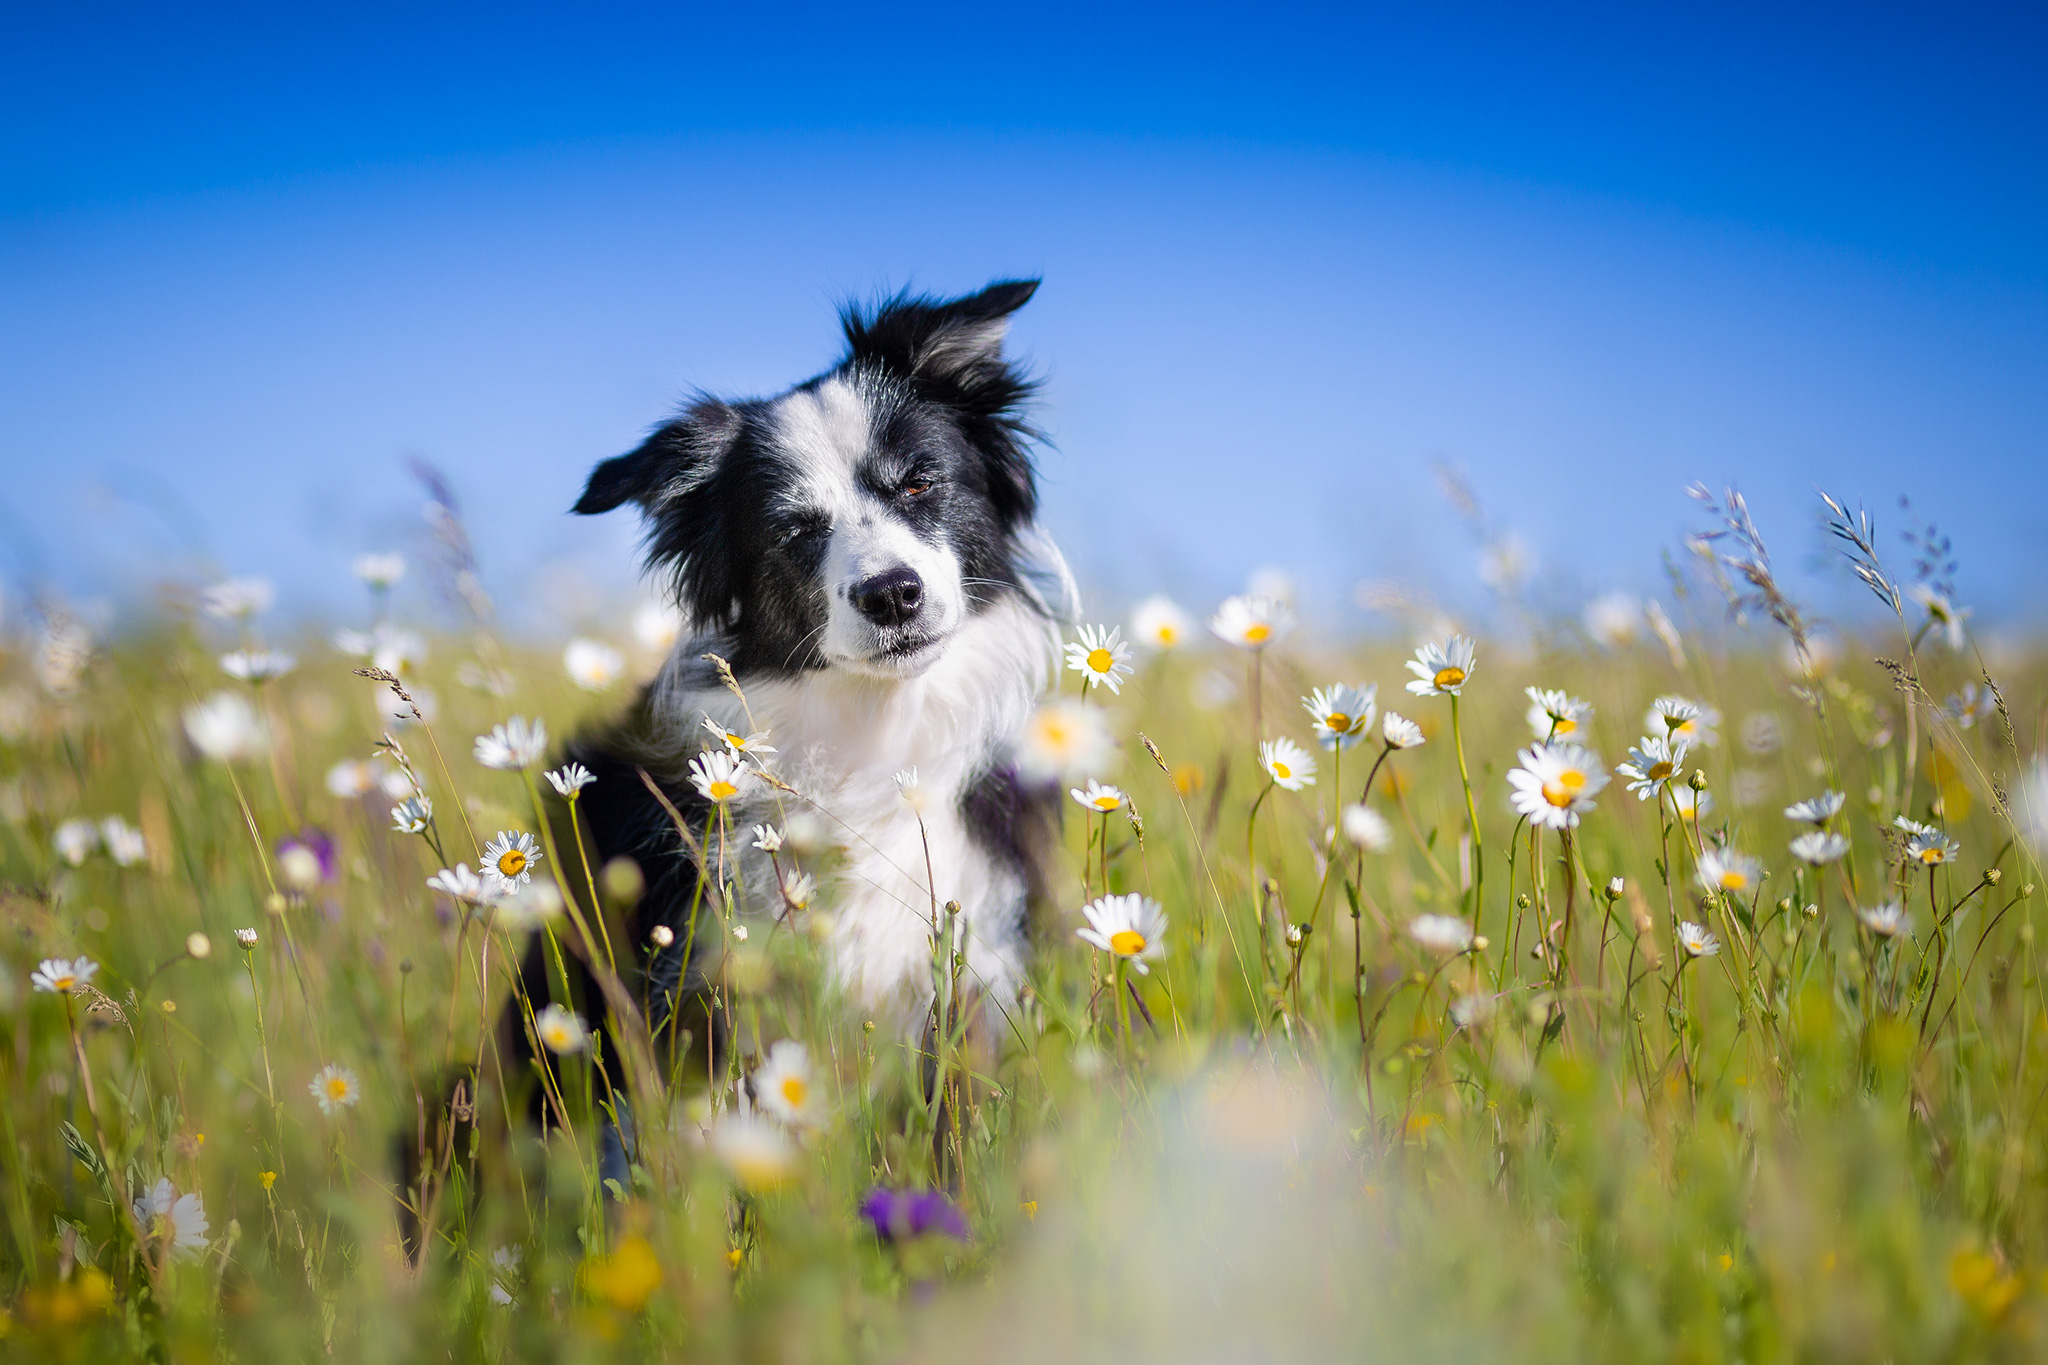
(1107, 802)
(1257, 633)
(1167, 635)
(1281, 770)
(65, 982)
(1563, 725)
(1930, 856)
(1337, 721)
(1449, 677)
(1733, 880)
(1659, 771)
(794, 1089)
(721, 791)
(1127, 943)
(337, 1087)
(511, 863)
(1099, 660)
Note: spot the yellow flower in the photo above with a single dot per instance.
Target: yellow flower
(268, 1178)
(627, 1278)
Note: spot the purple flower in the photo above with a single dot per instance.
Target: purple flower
(901, 1215)
(307, 859)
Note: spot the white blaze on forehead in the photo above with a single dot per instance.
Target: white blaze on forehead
(827, 432)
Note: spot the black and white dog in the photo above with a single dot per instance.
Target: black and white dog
(863, 549)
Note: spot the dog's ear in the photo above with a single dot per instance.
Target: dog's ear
(678, 457)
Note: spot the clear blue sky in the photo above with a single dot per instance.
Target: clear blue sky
(251, 260)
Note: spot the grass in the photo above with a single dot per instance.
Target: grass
(1818, 1143)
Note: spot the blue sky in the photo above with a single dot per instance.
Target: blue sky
(250, 261)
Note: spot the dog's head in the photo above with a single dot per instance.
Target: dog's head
(858, 520)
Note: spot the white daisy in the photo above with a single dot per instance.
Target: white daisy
(799, 891)
(509, 859)
(1133, 927)
(75, 840)
(124, 843)
(235, 598)
(351, 779)
(1064, 740)
(463, 885)
(1908, 825)
(1101, 657)
(245, 939)
(1159, 624)
(749, 745)
(656, 626)
(1932, 848)
(62, 976)
(1726, 870)
(1817, 810)
(1697, 940)
(1688, 805)
(335, 1087)
(718, 776)
(513, 746)
(767, 838)
(759, 1153)
(1942, 613)
(783, 1087)
(1441, 933)
(560, 1030)
(1554, 715)
(257, 665)
(570, 778)
(1341, 715)
(225, 728)
(163, 1213)
(1251, 622)
(1098, 797)
(1651, 765)
(412, 815)
(1819, 847)
(1288, 764)
(1887, 919)
(1554, 785)
(592, 665)
(1367, 828)
(1441, 669)
(1677, 718)
(1399, 732)
(379, 571)
(1974, 703)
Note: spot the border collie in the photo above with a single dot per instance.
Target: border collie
(863, 550)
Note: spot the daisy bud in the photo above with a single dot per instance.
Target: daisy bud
(1993, 877)
(739, 933)
(198, 945)
(662, 936)
(1697, 781)
(245, 939)
(1615, 886)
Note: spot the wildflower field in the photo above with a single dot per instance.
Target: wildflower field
(1657, 983)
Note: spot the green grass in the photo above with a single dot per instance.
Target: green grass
(1815, 1145)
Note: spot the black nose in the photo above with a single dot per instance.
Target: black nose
(891, 598)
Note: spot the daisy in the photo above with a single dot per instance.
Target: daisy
(513, 746)
(1651, 765)
(1554, 714)
(1887, 919)
(1101, 657)
(1064, 739)
(1441, 669)
(1251, 622)
(1817, 810)
(225, 728)
(1725, 870)
(561, 1031)
(1441, 933)
(1613, 620)
(1341, 715)
(656, 626)
(1288, 764)
(380, 571)
(257, 665)
(767, 838)
(1819, 847)
(717, 776)
(1697, 940)
(530, 906)
(799, 891)
(335, 1088)
(1160, 624)
(570, 779)
(509, 859)
(162, 1212)
(75, 840)
(1908, 825)
(1972, 704)
(464, 885)
(1932, 848)
(1399, 732)
(1555, 784)
(124, 843)
(1131, 927)
(1367, 829)
(412, 815)
(62, 976)
(235, 598)
(759, 1154)
(1941, 612)
(245, 939)
(740, 745)
(352, 779)
(783, 1085)
(1688, 805)
(1678, 718)
(1099, 797)
(592, 665)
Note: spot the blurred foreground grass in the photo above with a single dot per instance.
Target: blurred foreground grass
(1354, 1140)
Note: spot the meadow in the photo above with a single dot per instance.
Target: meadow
(1652, 982)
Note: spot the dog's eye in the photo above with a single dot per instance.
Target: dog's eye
(916, 486)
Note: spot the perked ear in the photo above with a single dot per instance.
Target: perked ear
(677, 458)
(948, 342)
